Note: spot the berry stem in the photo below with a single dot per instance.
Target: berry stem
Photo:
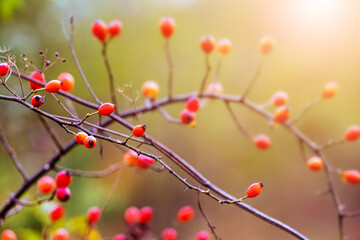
(31, 92)
(207, 72)
(87, 116)
(170, 68)
(110, 73)
(253, 80)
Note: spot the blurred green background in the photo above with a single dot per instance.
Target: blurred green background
(317, 42)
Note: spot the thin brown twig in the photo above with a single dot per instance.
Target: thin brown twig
(50, 132)
(110, 73)
(13, 155)
(91, 174)
(236, 121)
(305, 110)
(167, 116)
(170, 68)
(207, 72)
(253, 80)
(212, 227)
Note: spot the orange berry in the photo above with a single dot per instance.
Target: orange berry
(262, 141)
(46, 185)
(99, 30)
(330, 90)
(106, 109)
(187, 116)
(132, 215)
(150, 89)
(67, 81)
(351, 176)
(207, 44)
(57, 213)
(352, 133)
(61, 234)
(167, 27)
(90, 142)
(80, 137)
(37, 76)
(224, 46)
(254, 190)
(315, 163)
(4, 69)
(282, 114)
(53, 86)
(114, 28)
(37, 100)
(185, 214)
(8, 234)
(267, 44)
(215, 88)
(130, 158)
(139, 130)
(279, 98)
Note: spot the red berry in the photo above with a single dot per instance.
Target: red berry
(132, 215)
(37, 76)
(279, 98)
(193, 104)
(63, 194)
(146, 214)
(224, 46)
(53, 86)
(203, 235)
(114, 28)
(167, 27)
(352, 133)
(187, 116)
(46, 185)
(4, 69)
(262, 141)
(8, 234)
(330, 90)
(185, 214)
(315, 163)
(351, 176)
(90, 142)
(37, 100)
(282, 114)
(99, 30)
(80, 137)
(169, 234)
(130, 158)
(119, 237)
(207, 44)
(254, 190)
(61, 234)
(106, 109)
(145, 161)
(67, 81)
(57, 213)
(267, 44)
(139, 130)
(150, 89)
(93, 215)
(63, 179)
